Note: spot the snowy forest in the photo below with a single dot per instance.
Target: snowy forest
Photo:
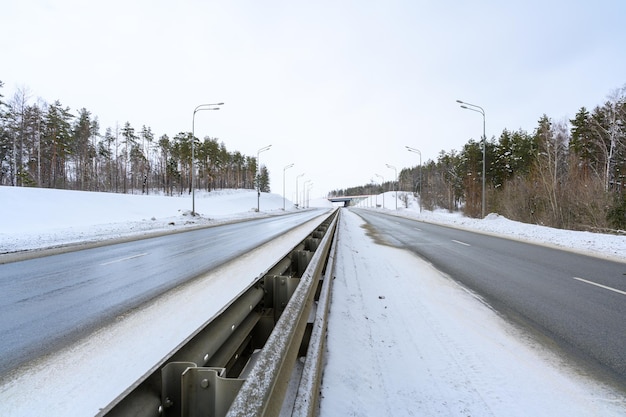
(567, 174)
(47, 145)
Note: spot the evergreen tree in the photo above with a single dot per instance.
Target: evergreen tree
(145, 162)
(164, 160)
(105, 156)
(56, 145)
(33, 124)
(264, 180)
(582, 142)
(130, 142)
(82, 150)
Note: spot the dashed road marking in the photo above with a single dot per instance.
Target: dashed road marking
(123, 259)
(461, 243)
(600, 285)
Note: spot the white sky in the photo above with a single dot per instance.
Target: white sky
(338, 88)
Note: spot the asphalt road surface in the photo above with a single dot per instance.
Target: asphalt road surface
(48, 302)
(577, 301)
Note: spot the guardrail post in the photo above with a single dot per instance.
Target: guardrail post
(206, 393)
(189, 391)
(171, 396)
(283, 288)
(303, 258)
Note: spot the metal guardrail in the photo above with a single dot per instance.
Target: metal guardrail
(241, 363)
(307, 398)
(263, 392)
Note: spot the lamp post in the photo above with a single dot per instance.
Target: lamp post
(304, 186)
(285, 169)
(395, 186)
(382, 185)
(417, 151)
(297, 178)
(478, 109)
(198, 108)
(258, 178)
(308, 194)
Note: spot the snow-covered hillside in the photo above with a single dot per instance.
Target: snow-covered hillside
(36, 218)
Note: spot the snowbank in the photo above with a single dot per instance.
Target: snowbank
(36, 218)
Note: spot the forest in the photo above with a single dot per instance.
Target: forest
(47, 145)
(567, 174)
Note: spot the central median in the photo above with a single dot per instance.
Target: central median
(247, 352)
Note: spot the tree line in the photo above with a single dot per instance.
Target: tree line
(566, 174)
(47, 145)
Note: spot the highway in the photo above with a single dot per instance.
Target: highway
(49, 302)
(577, 301)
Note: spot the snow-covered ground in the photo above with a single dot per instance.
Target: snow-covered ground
(411, 348)
(35, 218)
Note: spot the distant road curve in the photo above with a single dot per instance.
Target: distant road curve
(48, 302)
(577, 300)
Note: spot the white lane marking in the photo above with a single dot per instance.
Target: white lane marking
(461, 243)
(418, 229)
(124, 259)
(601, 286)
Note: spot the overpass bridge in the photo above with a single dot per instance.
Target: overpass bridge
(347, 200)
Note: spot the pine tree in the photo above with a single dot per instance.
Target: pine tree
(56, 145)
(264, 182)
(145, 168)
(82, 150)
(582, 142)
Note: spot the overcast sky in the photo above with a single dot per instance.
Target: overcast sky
(338, 88)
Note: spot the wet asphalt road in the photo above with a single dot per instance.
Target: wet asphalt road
(48, 302)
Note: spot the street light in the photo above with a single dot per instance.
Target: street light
(193, 152)
(304, 185)
(382, 184)
(414, 150)
(285, 169)
(395, 186)
(478, 109)
(297, 203)
(308, 194)
(258, 178)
